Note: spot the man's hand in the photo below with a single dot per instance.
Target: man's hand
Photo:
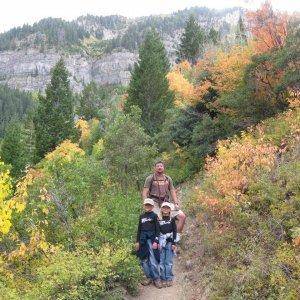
(155, 245)
(137, 246)
(176, 206)
(174, 197)
(174, 248)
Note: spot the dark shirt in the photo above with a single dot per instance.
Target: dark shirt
(168, 225)
(148, 222)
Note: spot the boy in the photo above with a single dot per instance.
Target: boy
(167, 238)
(147, 243)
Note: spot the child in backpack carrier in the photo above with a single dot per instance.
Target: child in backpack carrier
(167, 238)
(147, 244)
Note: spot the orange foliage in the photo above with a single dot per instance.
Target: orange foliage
(238, 164)
(224, 73)
(229, 68)
(229, 174)
(183, 89)
(183, 66)
(202, 89)
(268, 28)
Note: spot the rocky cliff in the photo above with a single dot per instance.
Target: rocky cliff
(28, 68)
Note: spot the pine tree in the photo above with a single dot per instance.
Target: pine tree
(54, 118)
(124, 165)
(213, 36)
(89, 101)
(149, 87)
(240, 36)
(13, 150)
(191, 42)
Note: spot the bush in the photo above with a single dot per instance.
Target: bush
(86, 274)
(73, 237)
(247, 207)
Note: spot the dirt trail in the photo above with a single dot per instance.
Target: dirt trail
(175, 292)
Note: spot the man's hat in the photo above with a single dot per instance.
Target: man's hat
(149, 201)
(167, 204)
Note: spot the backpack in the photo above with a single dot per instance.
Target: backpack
(166, 179)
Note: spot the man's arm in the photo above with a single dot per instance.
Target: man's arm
(145, 193)
(174, 196)
(173, 192)
(146, 188)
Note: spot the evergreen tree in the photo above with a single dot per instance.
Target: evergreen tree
(128, 153)
(191, 42)
(89, 101)
(14, 105)
(149, 87)
(213, 36)
(13, 150)
(54, 118)
(240, 36)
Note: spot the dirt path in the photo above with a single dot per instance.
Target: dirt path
(175, 292)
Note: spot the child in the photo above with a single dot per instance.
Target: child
(147, 243)
(167, 238)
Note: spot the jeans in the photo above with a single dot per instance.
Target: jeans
(166, 262)
(150, 265)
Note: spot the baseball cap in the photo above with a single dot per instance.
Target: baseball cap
(149, 201)
(167, 204)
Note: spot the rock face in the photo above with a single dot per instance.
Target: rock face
(29, 70)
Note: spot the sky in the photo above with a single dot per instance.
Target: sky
(18, 12)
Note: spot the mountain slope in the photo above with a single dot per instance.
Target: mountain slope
(97, 48)
(247, 215)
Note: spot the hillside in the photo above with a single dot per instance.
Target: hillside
(97, 48)
(223, 123)
(246, 209)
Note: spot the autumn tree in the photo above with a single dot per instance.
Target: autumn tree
(184, 90)
(5, 192)
(149, 88)
(273, 75)
(269, 28)
(54, 118)
(191, 42)
(229, 68)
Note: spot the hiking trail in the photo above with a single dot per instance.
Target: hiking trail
(175, 292)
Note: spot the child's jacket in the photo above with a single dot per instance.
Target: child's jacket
(168, 230)
(148, 229)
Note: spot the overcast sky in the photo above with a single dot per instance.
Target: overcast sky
(17, 12)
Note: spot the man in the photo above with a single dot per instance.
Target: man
(160, 188)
